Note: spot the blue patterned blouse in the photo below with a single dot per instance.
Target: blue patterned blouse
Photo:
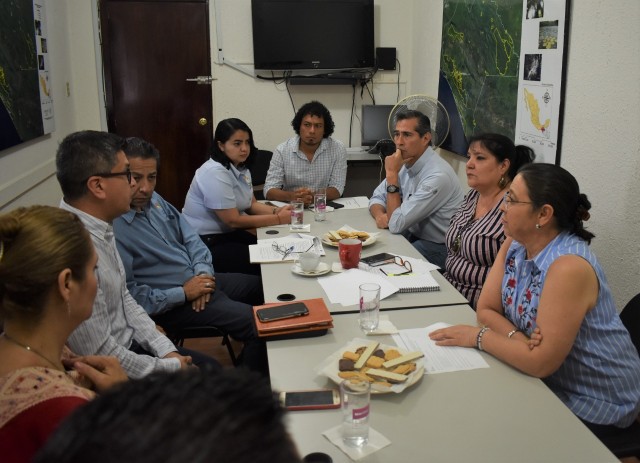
(600, 378)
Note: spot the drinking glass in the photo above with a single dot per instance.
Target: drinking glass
(297, 215)
(355, 395)
(369, 307)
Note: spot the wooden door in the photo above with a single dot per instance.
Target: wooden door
(150, 49)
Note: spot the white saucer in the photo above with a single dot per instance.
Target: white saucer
(321, 270)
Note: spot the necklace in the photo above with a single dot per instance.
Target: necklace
(457, 243)
(24, 346)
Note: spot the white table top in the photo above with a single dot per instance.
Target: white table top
(277, 278)
(494, 414)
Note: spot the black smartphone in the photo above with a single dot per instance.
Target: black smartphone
(270, 314)
(335, 205)
(378, 259)
(319, 399)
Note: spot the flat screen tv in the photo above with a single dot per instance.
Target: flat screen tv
(375, 123)
(312, 34)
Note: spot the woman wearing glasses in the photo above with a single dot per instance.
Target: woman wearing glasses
(548, 280)
(220, 203)
(475, 233)
(47, 288)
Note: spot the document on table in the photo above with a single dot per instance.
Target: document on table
(438, 359)
(343, 288)
(357, 202)
(291, 245)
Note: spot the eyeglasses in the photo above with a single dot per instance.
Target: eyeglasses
(127, 173)
(508, 201)
(402, 263)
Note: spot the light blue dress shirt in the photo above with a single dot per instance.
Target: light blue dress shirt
(431, 194)
(215, 187)
(160, 252)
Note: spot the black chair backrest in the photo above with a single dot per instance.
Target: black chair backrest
(260, 167)
(630, 317)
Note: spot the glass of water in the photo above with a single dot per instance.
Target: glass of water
(369, 306)
(297, 215)
(355, 395)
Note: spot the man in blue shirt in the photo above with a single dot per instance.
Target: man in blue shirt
(420, 192)
(169, 269)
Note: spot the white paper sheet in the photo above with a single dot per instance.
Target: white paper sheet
(439, 359)
(344, 287)
(357, 202)
(263, 252)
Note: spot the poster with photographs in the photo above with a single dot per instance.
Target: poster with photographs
(501, 71)
(542, 50)
(26, 106)
(42, 51)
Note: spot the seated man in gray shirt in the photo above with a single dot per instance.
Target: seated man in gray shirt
(169, 268)
(309, 161)
(420, 193)
(96, 182)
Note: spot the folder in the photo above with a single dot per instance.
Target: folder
(316, 323)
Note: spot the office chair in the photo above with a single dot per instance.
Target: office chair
(627, 442)
(178, 337)
(259, 169)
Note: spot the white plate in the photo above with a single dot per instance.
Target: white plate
(321, 270)
(329, 367)
(328, 242)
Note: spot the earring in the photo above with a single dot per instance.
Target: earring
(68, 309)
(502, 182)
(538, 226)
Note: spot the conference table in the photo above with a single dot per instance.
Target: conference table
(494, 414)
(277, 278)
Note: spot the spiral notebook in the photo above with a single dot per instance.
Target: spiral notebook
(415, 283)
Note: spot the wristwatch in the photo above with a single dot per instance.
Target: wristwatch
(393, 189)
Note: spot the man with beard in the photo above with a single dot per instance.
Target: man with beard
(308, 162)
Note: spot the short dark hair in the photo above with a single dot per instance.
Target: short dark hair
(424, 124)
(553, 185)
(224, 131)
(188, 416)
(317, 109)
(502, 148)
(135, 147)
(83, 154)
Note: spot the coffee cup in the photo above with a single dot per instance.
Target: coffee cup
(349, 250)
(308, 261)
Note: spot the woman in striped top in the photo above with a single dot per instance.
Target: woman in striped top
(475, 232)
(548, 285)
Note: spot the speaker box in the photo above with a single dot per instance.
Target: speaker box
(386, 59)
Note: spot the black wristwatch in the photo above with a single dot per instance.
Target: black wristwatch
(393, 189)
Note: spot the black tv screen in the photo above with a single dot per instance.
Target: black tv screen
(312, 34)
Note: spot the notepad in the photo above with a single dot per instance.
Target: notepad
(414, 283)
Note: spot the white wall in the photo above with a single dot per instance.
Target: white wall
(600, 144)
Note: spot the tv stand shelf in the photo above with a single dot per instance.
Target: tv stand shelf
(324, 80)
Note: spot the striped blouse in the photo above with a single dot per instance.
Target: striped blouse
(480, 241)
(599, 379)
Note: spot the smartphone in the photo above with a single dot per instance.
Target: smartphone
(378, 259)
(335, 205)
(319, 399)
(270, 314)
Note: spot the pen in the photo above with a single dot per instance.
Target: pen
(287, 252)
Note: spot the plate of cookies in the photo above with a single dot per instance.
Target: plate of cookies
(333, 236)
(387, 368)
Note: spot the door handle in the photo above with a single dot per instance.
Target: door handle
(202, 80)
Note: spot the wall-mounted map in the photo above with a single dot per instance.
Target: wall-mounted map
(26, 106)
(501, 69)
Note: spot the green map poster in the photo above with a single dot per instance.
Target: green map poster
(26, 106)
(501, 68)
